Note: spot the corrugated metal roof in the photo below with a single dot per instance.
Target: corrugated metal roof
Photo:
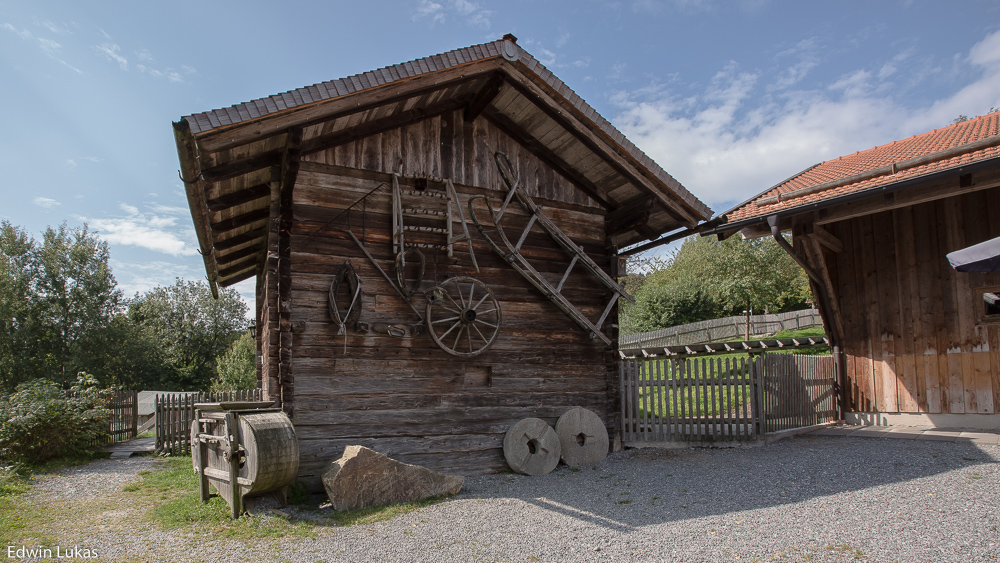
(877, 167)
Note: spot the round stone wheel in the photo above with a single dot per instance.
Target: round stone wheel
(531, 447)
(583, 439)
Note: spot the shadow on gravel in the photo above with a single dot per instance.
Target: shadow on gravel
(642, 487)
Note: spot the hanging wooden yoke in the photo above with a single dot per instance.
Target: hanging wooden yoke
(347, 275)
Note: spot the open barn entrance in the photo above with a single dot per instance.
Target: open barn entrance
(723, 398)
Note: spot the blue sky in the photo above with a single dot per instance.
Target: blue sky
(730, 97)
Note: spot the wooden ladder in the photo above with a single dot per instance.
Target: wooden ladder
(421, 204)
(513, 253)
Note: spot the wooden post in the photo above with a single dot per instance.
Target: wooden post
(202, 459)
(233, 439)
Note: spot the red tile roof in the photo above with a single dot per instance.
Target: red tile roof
(941, 149)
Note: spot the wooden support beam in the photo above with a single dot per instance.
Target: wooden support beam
(243, 220)
(549, 157)
(827, 239)
(238, 267)
(274, 157)
(949, 185)
(238, 198)
(232, 257)
(483, 98)
(224, 138)
(226, 244)
(240, 277)
(393, 121)
(230, 170)
(631, 215)
(187, 151)
(814, 257)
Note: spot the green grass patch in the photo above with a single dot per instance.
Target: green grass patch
(23, 520)
(172, 493)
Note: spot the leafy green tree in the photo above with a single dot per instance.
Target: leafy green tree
(17, 273)
(190, 328)
(673, 303)
(55, 295)
(237, 368)
(706, 278)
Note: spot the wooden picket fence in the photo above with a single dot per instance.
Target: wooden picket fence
(123, 422)
(732, 399)
(174, 413)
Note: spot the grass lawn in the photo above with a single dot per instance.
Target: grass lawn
(165, 498)
(726, 398)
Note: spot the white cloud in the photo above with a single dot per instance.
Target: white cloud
(725, 148)
(473, 13)
(151, 231)
(45, 202)
(57, 28)
(22, 33)
(112, 52)
(48, 46)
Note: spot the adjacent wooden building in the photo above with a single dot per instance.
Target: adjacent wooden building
(873, 228)
(280, 188)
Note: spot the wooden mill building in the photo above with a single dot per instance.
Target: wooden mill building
(280, 188)
(873, 229)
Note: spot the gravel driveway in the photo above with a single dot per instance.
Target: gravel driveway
(810, 498)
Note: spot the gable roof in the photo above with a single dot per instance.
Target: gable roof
(873, 170)
(228, 156)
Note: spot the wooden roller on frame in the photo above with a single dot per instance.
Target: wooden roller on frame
(243, 450)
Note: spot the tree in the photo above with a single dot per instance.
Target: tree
(706, 278)
(237, 368)
(54, 296)
(191, 329)
(752, 274)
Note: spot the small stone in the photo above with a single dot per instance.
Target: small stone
(363, 478)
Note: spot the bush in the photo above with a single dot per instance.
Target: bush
(42, 422)
(238, 366)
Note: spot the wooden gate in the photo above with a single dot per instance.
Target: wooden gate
(798, 391)
(716, 399)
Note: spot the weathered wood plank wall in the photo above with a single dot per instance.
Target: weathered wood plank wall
(406, 397)
(912, 343)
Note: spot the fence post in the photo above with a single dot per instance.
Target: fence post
(756, 377)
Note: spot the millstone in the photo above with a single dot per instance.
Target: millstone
(531, 447)
(583, 438)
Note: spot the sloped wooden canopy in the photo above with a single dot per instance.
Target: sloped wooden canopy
(231, 157)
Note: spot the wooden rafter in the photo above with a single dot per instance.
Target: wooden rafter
(237, 240)
(549, 157)
(271, 125)
(273, 157)
(243, 220)
(238, 198)
(483, 98)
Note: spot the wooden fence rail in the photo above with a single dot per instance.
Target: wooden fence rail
(717, 330)
(175, 411)
(717, 399)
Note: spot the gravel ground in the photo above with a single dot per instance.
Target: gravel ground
(810, 498)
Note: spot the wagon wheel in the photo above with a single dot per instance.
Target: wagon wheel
(463, 316)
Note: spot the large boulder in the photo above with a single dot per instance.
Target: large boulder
(362, 478)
